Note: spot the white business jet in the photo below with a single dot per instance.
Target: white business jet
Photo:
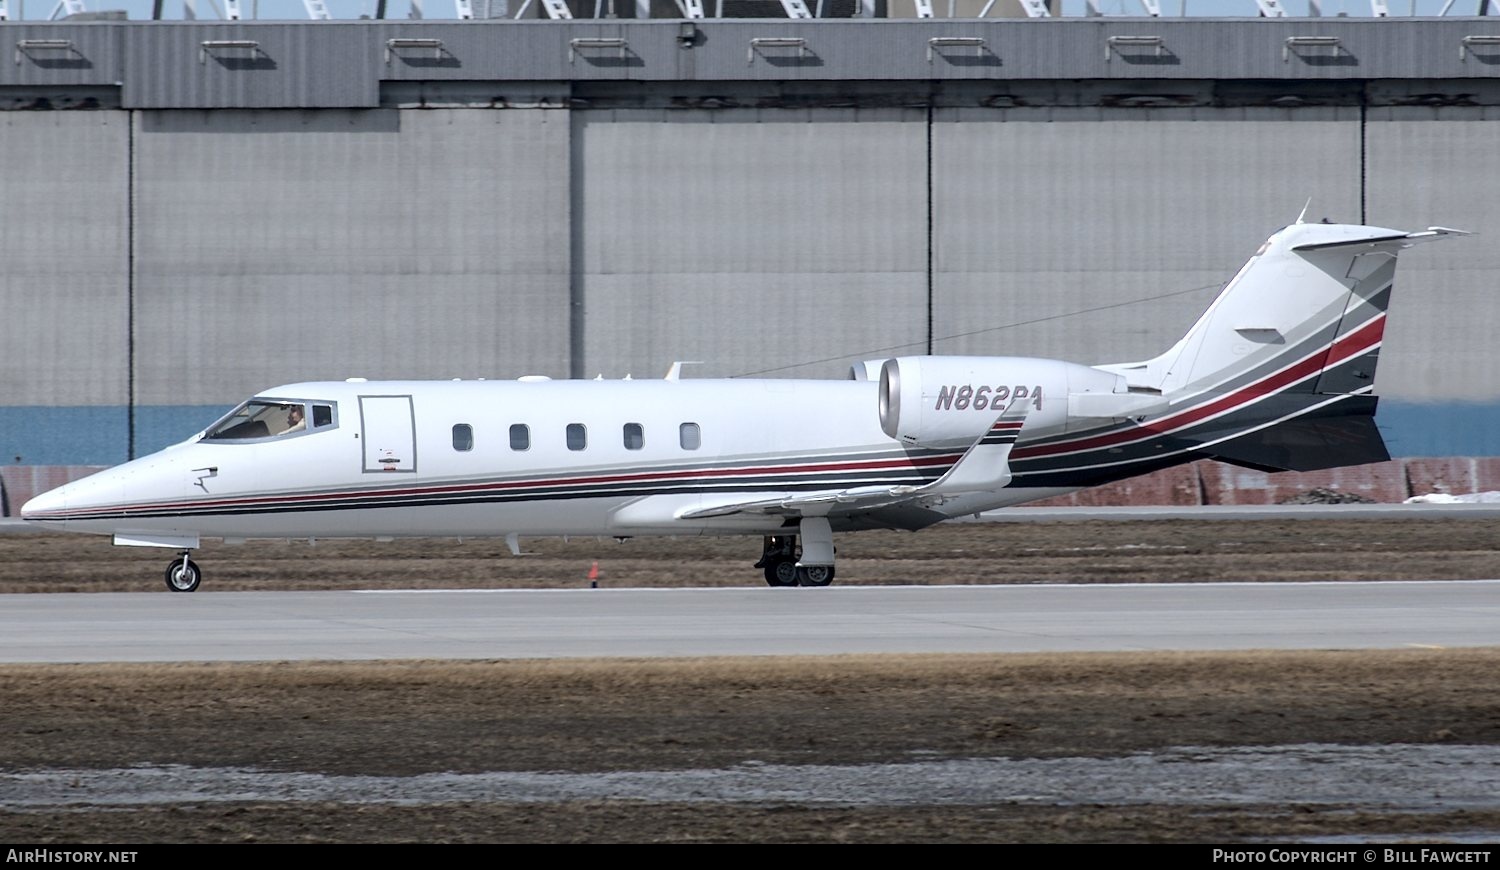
(1278, 374)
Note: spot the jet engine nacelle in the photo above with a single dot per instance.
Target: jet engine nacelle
(946, 401)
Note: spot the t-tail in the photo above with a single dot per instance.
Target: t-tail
(1278, 374)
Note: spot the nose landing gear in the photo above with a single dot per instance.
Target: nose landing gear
(183, 574)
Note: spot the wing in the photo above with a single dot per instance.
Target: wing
(820, 503)
(984, 467)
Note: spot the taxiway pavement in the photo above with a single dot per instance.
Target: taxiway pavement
(498, 624)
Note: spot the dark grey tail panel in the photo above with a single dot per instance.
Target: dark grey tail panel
(1339, 434)
(1363, 324)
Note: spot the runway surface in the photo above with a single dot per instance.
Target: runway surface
(274, 626)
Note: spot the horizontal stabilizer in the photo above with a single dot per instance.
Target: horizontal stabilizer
(1397, 240)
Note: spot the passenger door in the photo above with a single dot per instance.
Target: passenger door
(388, 429)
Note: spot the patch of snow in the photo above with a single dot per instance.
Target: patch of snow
(1446, 498)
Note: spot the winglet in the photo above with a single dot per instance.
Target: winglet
(985, 467)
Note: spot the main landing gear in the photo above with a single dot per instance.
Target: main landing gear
(784, 566)
(183, 574)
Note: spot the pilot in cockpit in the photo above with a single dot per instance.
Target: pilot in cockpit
(295, 422)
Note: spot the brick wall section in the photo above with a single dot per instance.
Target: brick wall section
(1456, 475)
(1204, 482)
(1226, 484)
(1215, 483)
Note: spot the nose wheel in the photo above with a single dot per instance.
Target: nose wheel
(183, 574)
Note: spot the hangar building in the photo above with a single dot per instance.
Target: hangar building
(195, 211)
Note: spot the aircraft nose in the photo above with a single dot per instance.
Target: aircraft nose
(49, 506)
(61, 507)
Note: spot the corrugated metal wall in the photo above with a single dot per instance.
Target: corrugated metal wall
(751, 240)
(1040, 213)
(282, 246)
(1442, 165)
(64, 233)
(214, 220)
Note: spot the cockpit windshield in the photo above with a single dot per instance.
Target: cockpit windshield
(270, 418)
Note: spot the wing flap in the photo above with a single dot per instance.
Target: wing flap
(806, 503)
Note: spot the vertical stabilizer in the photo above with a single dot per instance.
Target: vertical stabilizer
(1279, 372)
(1305, 314)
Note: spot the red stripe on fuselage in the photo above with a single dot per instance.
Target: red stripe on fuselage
(704, 474)
(1351, 345)
(1358, 342)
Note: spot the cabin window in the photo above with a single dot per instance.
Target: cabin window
(322, 416)
(689, 436)
(578, 436)
(520, 436)
(635, 436)
(463, 436)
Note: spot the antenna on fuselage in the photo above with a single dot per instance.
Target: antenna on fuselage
(1303, 214)
(674, 372)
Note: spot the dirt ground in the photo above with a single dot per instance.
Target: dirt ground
(587, 716)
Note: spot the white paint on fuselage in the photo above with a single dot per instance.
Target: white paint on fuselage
(741, 422)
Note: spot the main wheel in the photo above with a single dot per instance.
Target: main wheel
(183, 575)
(815, 575)
(781, 572)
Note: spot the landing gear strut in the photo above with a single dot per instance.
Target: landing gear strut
(183, 574)
(785, 564)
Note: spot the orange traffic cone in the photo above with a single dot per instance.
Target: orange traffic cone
(594, 576)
